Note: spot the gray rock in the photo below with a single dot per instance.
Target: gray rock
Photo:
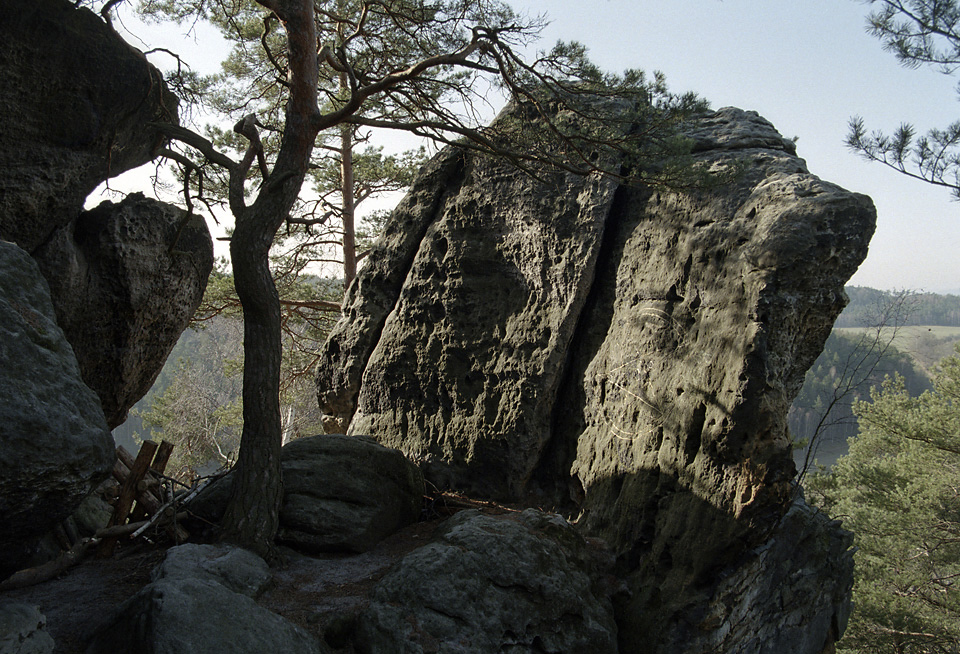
(126, 279)
(80, 99)
(340, 493)
(23, 630)
(234, 568)
(54, 442)
(513, 583)
(465, 372)
(710, 311)
(197, 616)
(628, 352)
(345, 493)
(791, 594)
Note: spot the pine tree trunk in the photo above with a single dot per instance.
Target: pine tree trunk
(252, 516)
(349, 219)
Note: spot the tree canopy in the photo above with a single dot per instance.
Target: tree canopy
(898, 490)
(918, 32)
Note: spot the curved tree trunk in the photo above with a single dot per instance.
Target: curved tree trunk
(253, 511)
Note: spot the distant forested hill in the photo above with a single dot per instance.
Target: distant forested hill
(918, 330)
(921, 308)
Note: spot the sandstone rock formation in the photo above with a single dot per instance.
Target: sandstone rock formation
(23, 630)
(191, 607)
(340, 494)
(626, 352)
(525, 582)
(76, 103)
(54, 442)
(125, 278)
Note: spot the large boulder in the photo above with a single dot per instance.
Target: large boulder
(340, 493)
(627, 352)
(126, 279)
(200, 612)
(54, 442)
(76, 108)
(525, 582)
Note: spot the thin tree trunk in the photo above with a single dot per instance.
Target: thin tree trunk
(349, 219)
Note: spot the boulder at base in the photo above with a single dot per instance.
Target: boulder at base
(184, 613)
(23, 630)
(523, 582)
(54, 442)
(340, 494)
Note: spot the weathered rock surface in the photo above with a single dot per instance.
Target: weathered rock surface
(76, 105)
(523, 582)
(23, 630)
(197, 613)
(125, 279)
(54, 442)
(340, 493)
(235, 568)
(630, 351)
(790, 594)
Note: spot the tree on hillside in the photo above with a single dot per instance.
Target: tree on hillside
(571, 128)
(918, 32)
(898, 490)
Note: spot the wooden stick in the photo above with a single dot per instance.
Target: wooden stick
(128, 493)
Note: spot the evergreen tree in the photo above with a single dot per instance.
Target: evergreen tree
(918, 32)
(898, 490)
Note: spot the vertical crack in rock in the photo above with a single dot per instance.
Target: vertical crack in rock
(630, 353)
(374, 294)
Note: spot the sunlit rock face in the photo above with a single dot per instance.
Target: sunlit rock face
(628, 353)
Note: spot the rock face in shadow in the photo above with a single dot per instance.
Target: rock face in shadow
(524, 582)
(54, 442)
(76, 103)
(630, 353)
(125, 278)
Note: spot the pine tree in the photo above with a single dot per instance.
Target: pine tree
(898, 490)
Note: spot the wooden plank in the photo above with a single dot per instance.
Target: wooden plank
(163, 456)
(128, 493)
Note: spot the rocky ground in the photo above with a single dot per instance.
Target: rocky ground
(307, 590)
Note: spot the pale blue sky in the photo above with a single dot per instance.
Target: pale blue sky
(807, 67)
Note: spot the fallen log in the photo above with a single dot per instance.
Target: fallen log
(51, 569)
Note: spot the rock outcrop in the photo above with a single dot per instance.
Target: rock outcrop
(76, 105)
(627, 352)
(340, 494)
(54, 442)
(525, 582)
(196, 605)
(126, 279)
(77, 110)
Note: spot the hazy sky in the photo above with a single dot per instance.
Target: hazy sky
(805, 66)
